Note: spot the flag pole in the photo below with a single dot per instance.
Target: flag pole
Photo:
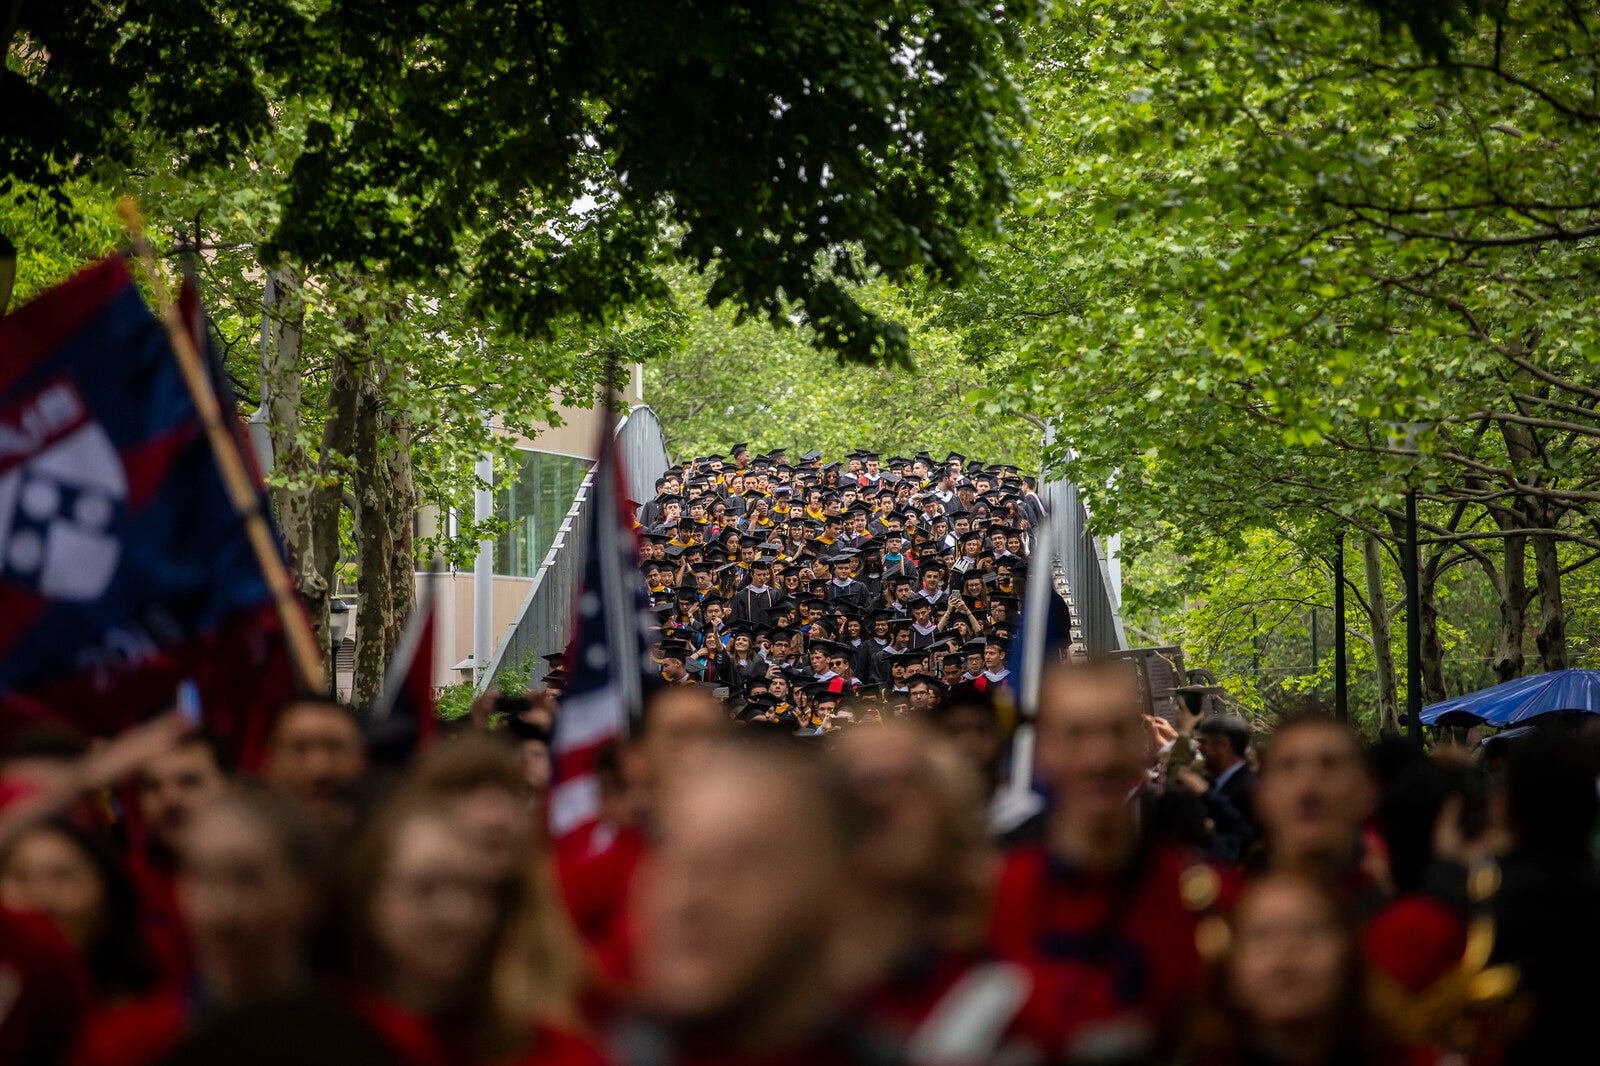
(303, 653)
(1035, 604)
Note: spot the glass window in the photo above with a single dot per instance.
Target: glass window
(534, 496)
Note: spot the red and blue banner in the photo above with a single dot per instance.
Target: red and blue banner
(124, 567)
(605, 660)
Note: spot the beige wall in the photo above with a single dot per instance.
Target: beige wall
(454, 592)
(577, 436)
(580, 429)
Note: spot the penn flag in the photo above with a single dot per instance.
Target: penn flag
(124, 566)
(606, 657)
(402, 718)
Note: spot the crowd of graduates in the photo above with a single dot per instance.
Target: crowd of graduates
(816, 845)
(817, 593)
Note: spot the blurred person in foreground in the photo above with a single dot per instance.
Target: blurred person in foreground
(173, 790)
(47, 982)
(428, 915)
(76, 879)
(677, 735)
(251, 882)
(1547, 910)
(1292, 988)
(1315, 795)
(1316, 798)
(736, 915)
(316, 755)
(912, 947)
(1104, 915)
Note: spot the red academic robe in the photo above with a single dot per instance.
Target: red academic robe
(162, 918)
(915, 1008)
(46, 991)
(419, 1042)
(1416, 940)
(139, 1033)
(1109, 953)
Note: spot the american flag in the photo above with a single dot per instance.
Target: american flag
(605, 661)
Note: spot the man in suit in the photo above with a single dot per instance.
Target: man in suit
(1230, 798)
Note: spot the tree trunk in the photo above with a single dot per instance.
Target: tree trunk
(377, 623)
(1552, 611)
(1382, 646)
(292, 468)
(306, 495)
(1525, 456)
(326, 494)
(1512, 584)
(1433, 689)
(403, 508)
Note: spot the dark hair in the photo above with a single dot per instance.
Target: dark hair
(207, 738)
(466, 763)
(1232, 728)
(43, 740)
(302, 841)
(1408, 809)
(1311, 717)
(322, 703)
(119, 958)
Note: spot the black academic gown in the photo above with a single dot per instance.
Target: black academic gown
(753, 606)
(850, 592)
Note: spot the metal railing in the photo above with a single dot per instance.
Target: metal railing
(1096, 613)
(544, 622)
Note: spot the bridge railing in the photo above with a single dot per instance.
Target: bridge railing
(544, 621)
(1096, 613)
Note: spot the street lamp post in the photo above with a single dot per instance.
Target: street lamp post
(1413, 625)
(1413, 596)
(1341, 678)
(8, 271)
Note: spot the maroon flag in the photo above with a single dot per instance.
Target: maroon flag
(403, 717)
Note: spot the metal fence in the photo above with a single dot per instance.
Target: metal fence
(1096, 617)
(544, 621)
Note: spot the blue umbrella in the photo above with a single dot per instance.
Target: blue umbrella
(1519, 700)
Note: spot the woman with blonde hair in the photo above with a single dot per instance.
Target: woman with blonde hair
(458, 948)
